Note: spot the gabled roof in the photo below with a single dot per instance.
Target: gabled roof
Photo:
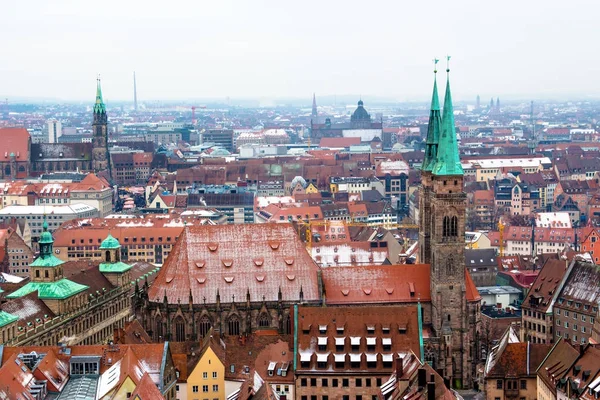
(14, 141)
(54, 370)
(557, 363)
(146, 390)
(21, 378)
(519, 360)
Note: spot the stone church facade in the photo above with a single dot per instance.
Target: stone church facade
(241, 279)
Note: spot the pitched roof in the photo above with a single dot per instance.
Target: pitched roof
(14, 141)
(61, 289)
(519, 360)
(207, 259)
(331, 335)
(557, 363)
(146, 390)
(405, 283)
(544, 287)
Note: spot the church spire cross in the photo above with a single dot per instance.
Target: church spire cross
(448, 160)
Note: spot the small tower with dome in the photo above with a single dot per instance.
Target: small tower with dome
(360, 117)
(116, 271)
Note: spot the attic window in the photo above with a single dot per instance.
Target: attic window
(228, 279)
(227, 262)
(367, 291)
(345, 292)
(260, 278)
(289, 260)
(170, 279)
(389, 290)
(213, 246)
(259, 262)
(200, 264)
(274, 244)
(291, 277)
(201, 280)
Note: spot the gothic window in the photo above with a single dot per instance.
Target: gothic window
(430, 358)
(454, 226)
(234, 326)
(179, 330)
(205, 326)
(450, 266)
(288, 325)
(450, 227)
(159, 329)
(264, 321)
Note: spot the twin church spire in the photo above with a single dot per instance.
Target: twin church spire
(441, 152)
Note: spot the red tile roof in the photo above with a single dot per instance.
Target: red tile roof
(146, 390)
(519, 360)
(339, 141)
(235, 259)
(359, 331)
(16, 141)
(403, 283)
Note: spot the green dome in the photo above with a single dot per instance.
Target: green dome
(45, 237)
(110, 243)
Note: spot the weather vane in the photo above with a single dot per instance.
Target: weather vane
(435, 61)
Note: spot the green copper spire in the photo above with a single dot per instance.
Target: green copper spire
(99, 106)
(448, 160)
(433, 128)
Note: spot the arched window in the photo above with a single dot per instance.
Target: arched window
(450, 226)
(159, 329)
(205, 326)
(288, 325)
(450, 266)
(7, 170)
(234, 326)
(179, 330)
(107, 256)
(454, 226)
(264, 321)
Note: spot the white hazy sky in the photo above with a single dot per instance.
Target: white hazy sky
(262, 49)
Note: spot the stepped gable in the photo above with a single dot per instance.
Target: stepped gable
(235, 260)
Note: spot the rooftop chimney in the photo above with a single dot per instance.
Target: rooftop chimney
(422, 378)
(399, 367)
(431, 391)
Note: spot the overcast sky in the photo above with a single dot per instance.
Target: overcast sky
(266, 49)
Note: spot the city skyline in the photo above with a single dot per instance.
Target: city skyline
(271, 51)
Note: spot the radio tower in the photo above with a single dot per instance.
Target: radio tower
(134, 93)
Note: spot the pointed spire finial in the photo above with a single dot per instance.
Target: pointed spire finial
(447, 64)
(435, 61)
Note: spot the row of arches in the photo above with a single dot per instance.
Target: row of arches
(233, 326)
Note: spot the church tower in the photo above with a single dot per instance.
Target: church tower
(100, 155)
(442, 241)
(314, 113)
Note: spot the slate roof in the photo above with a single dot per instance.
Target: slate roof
(583, 283)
